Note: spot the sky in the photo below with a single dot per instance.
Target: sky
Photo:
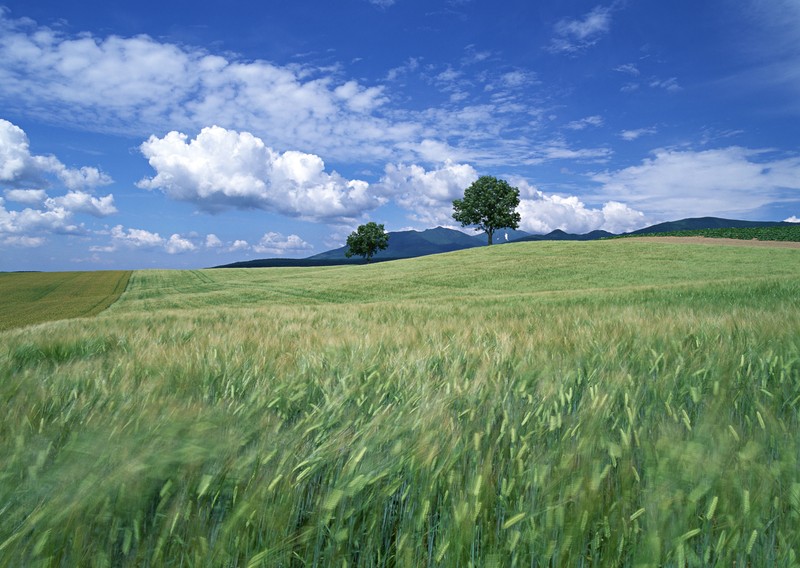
(192, 134)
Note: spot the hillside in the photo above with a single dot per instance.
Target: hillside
(410, 244)
(693, 224)
(407, 244)
(613, 402)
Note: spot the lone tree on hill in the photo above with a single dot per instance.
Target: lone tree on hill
(489, 204)
(367, 240)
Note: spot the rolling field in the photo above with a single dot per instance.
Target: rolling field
(610, 403)
(30, 297)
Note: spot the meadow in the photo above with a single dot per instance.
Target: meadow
(610, 403)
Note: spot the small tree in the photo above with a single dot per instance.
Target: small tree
(367, 240)
(489, 204)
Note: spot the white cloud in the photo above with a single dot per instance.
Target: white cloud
(428, 194)
(584, 123)
(26, 196)
(177, 244)
(238, 245)
(81, 202)
(542, 213)
(20, 168)
(135, 238)
(29, 222)
(722, 181)
(382, 3)
(22, 242)
(221, 169)
(137, 85)
(792, 219)
(518, 78)
(629, 69)
(576, 35)
(670, 84)
(212, 241)
(411, 65)
(558, 150)
(637, 133)
(83, 177)
(276, 243)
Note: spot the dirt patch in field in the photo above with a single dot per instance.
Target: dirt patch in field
(715, 241)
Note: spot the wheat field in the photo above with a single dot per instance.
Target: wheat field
(536, 404)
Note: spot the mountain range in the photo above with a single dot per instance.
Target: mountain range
(409, 244)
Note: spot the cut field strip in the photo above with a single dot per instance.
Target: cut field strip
(35, 297)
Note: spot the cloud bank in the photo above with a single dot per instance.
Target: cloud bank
(221, 169)
(43, 215)
(686, 183)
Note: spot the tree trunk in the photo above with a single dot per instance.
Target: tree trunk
(489, 234)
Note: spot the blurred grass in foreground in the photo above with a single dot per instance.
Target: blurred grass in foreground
(610, 403)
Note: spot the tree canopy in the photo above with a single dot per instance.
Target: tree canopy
(488, 204)
(367, 240)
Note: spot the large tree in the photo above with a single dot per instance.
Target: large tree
(367, 240)
(489, 204)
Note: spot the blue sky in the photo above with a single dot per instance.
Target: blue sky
(189, 134)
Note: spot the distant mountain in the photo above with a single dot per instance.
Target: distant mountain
(408, 244)
(559, 235)
(500, 236)
(697, 223)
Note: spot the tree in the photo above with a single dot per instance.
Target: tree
(489, 204)
(367, 240)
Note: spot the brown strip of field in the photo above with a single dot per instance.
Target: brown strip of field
(28, 298)
(717, 241)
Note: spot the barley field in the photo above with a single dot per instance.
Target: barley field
(611, 403)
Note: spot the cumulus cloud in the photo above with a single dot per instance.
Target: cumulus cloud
(135, 238)
(31, 222)
(428, 194)
(222, 169)
(238, 245)
(19, 168)
(177, 244)
(681, 183)
(81, 202)
(792, 219)
(26, 196)
(542, 213)
(276, 243)
(213, 241)
(42, 215)
(571, 36)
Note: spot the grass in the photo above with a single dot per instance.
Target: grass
(610, 403)
(30, 298)
(779, 233)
